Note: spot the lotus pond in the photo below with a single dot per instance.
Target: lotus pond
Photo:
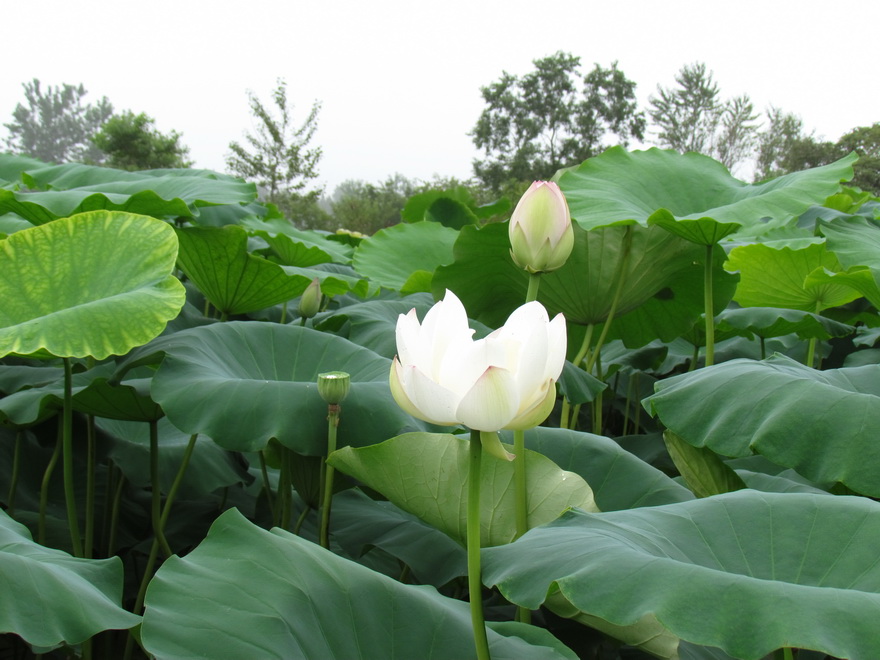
(181, 478)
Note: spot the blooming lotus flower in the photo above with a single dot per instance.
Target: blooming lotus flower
(541, 237)
(504, 381)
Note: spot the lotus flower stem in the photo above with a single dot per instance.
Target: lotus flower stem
(475, 582)
(709, 307)
(90, 488)
(67, 458)
(520, 484)
(13, 481)
(620, 277)
(44, 492)
(266, 486)
(154, 547)
(326, 500)
(156, 508)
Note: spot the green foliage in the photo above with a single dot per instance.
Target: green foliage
(550, 118)
(166, 435)
(131, 142)
(277, 154)
(692, 117)
(56, 125)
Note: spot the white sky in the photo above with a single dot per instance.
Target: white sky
(400, 80)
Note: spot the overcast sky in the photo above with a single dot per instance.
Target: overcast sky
(399, 81)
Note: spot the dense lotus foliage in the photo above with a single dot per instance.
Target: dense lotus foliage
(704, 487)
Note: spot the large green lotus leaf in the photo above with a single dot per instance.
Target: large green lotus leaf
(11, 223)
(691, 195)
(360, 522)
(776, 322)
(662, 269)
(95, 284)
(618, 478)
(245, 592)
(95, 392)
(155, 196)
(821, 423)
(242, 383)
(372, 323)
(777, 277)
(426, 474)
(51, 598)
(297, 247)
(210, 467)
(232, 279)
(335, 279)
(855, 240)
(12, 166)
(392, 255)
(747, 572)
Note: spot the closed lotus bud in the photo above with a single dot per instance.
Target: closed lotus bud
(333, 386)
(541, 237)
(310, 302)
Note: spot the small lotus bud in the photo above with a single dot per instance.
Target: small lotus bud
(310, 302)
(541, 237)
(333, 386)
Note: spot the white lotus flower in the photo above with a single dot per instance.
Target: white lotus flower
(504, 381)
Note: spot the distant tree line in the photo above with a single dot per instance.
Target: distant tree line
(555, 117)
(56, 125)
(533, 125)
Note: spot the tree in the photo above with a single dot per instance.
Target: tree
(692, 117)
(55, 125)
(865, 141)
(785, 147)
(131, 142)
(367, 208)
(279, 159)
(552, 117)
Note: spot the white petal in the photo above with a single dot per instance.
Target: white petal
(434, 403)
(532, 415)
(491, 403)
(557, 341)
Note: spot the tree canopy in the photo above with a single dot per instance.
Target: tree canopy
(691, 116)
(550, 118)
(55, 125)
(276, 155)
(131, 142)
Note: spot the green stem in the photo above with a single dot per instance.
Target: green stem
(44, 490)
(475, 582)
(534, 283)
(13, 481)
(90, 487)
(284, 313)
(268, 488)
(620, 276)
(519, 480)
(566, 419)
(67, 457)
(286, 507)
(178, 479)
(142, 591)
(156, 508)
(114, 516)
(332, 424)
(709, 306)
(154, 548)
(811, 346)
(301, 519)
